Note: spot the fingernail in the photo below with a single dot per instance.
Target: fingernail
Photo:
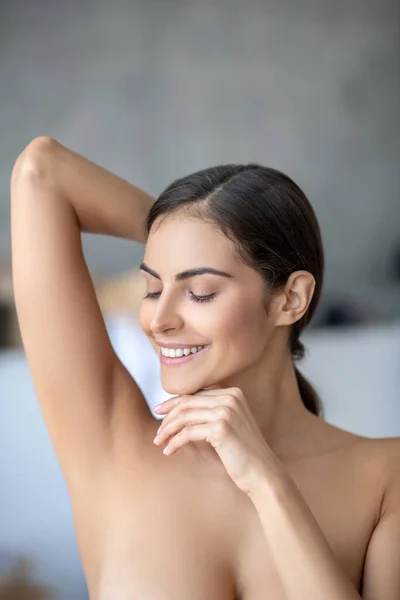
(156, 406)
(156, 439)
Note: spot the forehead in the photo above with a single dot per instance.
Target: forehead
(182, 243)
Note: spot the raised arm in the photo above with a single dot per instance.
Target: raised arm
(84, 391)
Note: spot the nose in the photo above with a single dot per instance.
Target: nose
(166, 314)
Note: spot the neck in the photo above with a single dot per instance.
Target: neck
(272, 392)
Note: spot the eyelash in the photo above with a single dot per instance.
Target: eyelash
(154, 295)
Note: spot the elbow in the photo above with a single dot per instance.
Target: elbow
(34, 160)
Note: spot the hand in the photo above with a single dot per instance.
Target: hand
(223, 418)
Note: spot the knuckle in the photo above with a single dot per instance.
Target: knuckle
(181, 413)
(225, 413)
(221, 427)
(238, 393)
(185, 434)
(231, 401)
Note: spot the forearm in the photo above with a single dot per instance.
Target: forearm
(302, 555)
(103, 202)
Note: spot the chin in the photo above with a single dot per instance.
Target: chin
(176, 384)
(180, 389)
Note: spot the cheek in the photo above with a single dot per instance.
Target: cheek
(242, 326)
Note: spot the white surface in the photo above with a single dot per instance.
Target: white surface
(357, 373)
(137, 354)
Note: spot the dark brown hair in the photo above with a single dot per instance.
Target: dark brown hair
(272, 225)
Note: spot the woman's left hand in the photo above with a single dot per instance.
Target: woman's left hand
(223, 418)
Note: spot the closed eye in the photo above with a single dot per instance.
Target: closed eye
(193, 297)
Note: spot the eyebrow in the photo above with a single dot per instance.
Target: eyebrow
(187, 274)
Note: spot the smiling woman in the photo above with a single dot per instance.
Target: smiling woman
(228, 218)
(261, 497)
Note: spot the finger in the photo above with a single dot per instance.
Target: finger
(213, 432)
(232, 397)
(233, 391)
(171, 402)
(191, 433)
(166, 405)
(195, 401)
(187, 418)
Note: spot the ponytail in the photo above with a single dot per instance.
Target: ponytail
(308, 394)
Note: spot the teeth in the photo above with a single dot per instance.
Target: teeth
(178, 352)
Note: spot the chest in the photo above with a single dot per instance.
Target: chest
(173, 542)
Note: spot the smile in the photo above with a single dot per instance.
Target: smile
(169, 356)
(178, 352)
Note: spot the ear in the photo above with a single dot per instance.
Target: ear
(295, 299)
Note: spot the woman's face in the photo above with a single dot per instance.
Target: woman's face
(231, 323)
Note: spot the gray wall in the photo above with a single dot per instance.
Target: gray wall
(155, 90)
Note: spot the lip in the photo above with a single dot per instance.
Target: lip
(166, 360)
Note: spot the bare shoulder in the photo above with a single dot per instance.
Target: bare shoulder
(388, 448)
(375, 462)
(328, 437)
(377, 456)
(379, 460)
(324, 439)
(382, 452)
(386, 452)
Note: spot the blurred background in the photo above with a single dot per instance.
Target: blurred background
(154, 90)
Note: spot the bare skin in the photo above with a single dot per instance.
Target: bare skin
(179, 518)
(154, 526)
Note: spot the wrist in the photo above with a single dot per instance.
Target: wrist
(272, 483)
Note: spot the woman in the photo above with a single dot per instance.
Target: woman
(256, 496)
